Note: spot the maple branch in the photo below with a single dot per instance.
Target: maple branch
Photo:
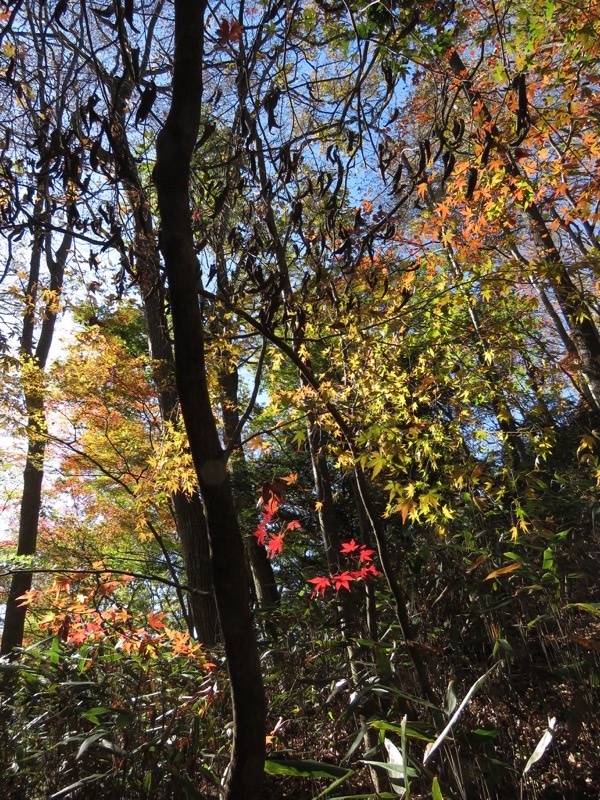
(139, 575)
(251, 402)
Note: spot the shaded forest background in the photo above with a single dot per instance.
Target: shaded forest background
(300, 353)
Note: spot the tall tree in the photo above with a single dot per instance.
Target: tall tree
(175, 147)
(45, 143)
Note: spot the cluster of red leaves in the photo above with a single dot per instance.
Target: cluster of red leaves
(271, 499)
(228, 31)
(271, 532)
(77, 612)
(342, 580)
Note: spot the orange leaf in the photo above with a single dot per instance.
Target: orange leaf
(477, 563)
(406, 508)
(504, 570)
(589, 644)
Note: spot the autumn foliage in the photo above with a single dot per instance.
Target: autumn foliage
(300, 386)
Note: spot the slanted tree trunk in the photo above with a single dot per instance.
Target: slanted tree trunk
(188, 512)
(175, 146)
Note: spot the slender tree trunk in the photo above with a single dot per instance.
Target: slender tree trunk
(171, 175)
(188, 513)
(330, 533)
(34, 360)
(261, 570)
(14, 620)
(400, 598)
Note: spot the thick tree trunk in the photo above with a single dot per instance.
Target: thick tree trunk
(171, 175)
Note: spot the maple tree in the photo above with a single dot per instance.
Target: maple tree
(364, 239)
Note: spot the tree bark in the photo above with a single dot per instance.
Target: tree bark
(175, 146)
(261, 570)
(33, 475)
(188, 513)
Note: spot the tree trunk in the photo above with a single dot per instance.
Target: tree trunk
(14, 619)
(261, 570)
(175, 146)
(188, 513)
(36, 359)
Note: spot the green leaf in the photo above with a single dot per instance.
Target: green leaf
(55, 651)
(392, 768)
(304, 769)
(357, 740)
(430, 749)
(87, 743)
(77, 785)
(591, 608)
(335, 784)
(488, 732)
(411, 732)
(93, 714)
(436, 792)
(505, 645)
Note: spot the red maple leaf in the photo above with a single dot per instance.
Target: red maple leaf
(370, 571)
(342, 580)
(156, 620)
(349, 547)
(320, 585)
(275, 545)
(261, 531)
(229, 31)
(365, 553)
(78, 636)
(294, 525)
